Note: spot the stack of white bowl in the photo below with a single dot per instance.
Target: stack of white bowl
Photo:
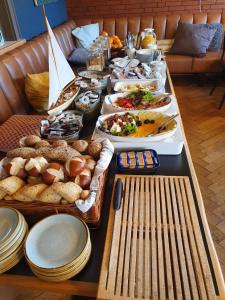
(13, 230)
(145, 55)
(58, 247)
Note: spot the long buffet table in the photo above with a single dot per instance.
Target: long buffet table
(86, 283)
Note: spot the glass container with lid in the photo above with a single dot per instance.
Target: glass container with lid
(95, 61)
(148, 39)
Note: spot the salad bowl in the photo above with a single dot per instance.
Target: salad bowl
(128, 101)
(135, 126)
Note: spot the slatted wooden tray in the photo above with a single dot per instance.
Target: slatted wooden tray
(154, 247)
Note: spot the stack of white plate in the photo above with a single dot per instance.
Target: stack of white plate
(58, 247)
(13, 230)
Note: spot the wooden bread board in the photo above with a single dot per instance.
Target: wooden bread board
(154, 246)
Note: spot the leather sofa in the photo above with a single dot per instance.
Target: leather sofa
(165, 28)
(32, 57)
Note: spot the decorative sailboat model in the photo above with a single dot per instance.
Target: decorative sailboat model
(62, 88)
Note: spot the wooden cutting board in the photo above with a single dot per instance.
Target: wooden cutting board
(154, 246)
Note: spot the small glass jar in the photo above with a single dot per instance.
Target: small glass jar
(95, 61)
(148, 39)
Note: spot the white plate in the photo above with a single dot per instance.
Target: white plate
(120, 86)
(8, 223)
(142, 114)
(56, 241)
(110, 106)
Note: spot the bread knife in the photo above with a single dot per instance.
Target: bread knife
(118, 194)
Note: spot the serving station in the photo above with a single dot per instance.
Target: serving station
(127, 174)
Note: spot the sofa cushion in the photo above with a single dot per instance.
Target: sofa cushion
(208, 64)
(216, 41)
(78, 57)
(85, 35)
(192, 39)
(179, 63)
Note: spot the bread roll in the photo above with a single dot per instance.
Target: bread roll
(80, 145)
(70, 191)
(94, 149)
(35, 166)
(41, 144)
(33, 191)
(31, 140)
(2, 194)
(24, 152)
(11, 185)
(75, 165)
(84, 194)
(34, 180)
(50, 196)
(53, 173)
(90, 164)
(16, 167)
(84, 178)
(59, 143)
(19, 195)
(61, 154)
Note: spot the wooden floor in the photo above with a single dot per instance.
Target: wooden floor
(205, 130)
(204, 126)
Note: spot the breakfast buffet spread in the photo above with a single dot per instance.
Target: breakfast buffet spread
(55, 178)
(54, 171)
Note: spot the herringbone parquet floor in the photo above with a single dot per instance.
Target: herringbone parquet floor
(204, 126)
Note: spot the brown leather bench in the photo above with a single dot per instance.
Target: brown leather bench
(165, 28)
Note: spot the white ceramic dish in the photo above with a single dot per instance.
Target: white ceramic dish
(56, 241)
(121, 86)
(142, 115)
(110, 104)
(9, 220)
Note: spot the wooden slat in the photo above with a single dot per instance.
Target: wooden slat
(158, 244)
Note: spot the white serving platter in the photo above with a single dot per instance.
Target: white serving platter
(142, 115)
(56, 241)
(109, 104)
(121, 85)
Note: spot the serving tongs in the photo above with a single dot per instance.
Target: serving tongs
(163, 124)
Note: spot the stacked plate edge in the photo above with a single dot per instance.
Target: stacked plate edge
(13, 231)
(58, 247)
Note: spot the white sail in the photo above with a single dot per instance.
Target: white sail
(60, 72)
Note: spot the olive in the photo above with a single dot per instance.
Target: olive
(147, 121)
(138, 123)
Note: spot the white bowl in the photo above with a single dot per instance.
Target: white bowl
(110, 105)
(145, 55)
(56, 241)
(122, 85)
(143, 114)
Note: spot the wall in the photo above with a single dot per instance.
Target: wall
(110, 8)
(30, 18)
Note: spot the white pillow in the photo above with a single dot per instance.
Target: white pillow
(85, 35)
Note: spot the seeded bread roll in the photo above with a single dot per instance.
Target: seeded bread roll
(24, 152)
(80, 145)
(59, 143)
(94, 149)
(62, 154)
(41, 144)
(31, 140)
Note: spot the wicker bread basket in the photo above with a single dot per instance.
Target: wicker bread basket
(36, 211)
